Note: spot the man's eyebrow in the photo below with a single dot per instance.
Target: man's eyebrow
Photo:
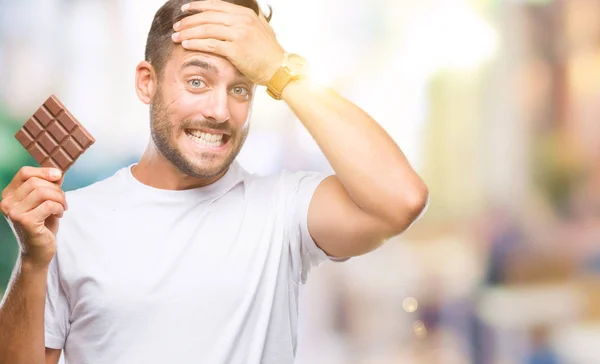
(202, 64)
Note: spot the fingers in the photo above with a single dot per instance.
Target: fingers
(219, 47)
(207, 17)
(44, 211)
(33, 223)
(25, 173)
(214, 31)
(27, 188)
(34, 199)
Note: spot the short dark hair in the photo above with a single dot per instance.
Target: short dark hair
(159, 44)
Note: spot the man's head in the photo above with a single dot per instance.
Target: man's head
(199, 102)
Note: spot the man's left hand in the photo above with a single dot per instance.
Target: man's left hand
(234, 32)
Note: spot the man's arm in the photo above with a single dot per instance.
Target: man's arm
(32, 203)
(22, 316)
(375, 193)
(53, 355)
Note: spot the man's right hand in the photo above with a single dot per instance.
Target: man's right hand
(34, 201)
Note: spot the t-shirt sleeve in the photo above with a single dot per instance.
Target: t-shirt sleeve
(305, 253)
(56, 314)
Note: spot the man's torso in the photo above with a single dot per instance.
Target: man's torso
(179, 277)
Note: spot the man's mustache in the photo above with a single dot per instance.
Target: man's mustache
(208, 124)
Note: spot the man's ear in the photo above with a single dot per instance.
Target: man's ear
(145, 82)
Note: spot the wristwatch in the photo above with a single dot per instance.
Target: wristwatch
(293, 67)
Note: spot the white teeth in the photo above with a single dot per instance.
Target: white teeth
(212, 140)
(206, 136)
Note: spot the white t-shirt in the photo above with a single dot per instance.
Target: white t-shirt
(207, 275)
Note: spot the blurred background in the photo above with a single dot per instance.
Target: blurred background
(495, 102)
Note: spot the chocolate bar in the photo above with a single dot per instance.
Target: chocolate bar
(53, 137)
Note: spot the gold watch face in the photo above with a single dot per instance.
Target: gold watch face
(297, 64)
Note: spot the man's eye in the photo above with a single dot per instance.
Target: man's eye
(196, 83)
(240, 91)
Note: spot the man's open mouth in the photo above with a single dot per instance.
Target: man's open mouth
(206, 138)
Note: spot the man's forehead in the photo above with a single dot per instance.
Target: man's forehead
(212, 62)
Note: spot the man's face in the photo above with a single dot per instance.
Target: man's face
(199, 114)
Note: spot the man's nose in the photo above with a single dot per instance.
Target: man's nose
(217, 107)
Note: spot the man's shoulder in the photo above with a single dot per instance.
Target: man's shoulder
(107, 185)
(285, 180)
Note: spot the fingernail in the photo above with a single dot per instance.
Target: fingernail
(185, 7)
(55, 173)
(184, 43)
(175, 36)
(176, 25)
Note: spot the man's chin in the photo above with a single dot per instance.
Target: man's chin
(211, 172)
(206, 168)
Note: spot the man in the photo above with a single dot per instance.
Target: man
(184, 257)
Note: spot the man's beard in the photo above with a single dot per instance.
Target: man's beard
(162, 132)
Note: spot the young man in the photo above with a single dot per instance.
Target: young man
(184, 257)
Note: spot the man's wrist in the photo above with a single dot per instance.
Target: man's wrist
(30, 266)
(274, 68)
(293, 68)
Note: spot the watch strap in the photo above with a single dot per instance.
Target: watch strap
(280, 79)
